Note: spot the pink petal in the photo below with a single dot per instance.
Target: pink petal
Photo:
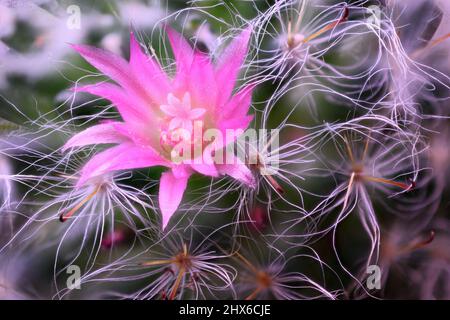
(187, 100)
(240, 123)
(130, 109)
(238, 105)
(107, 62)
(110, 64)
(196, 113)
(181, 171)
(140, 134)
(184, 55)
(195, 72)
(239, 171)
(169, 110)
(186, 124)
(230, 63)
(231, 129)
(122, 157)
(148, 72)
(172, 100)
(202, 82)
(171, 190)
(98, 134)
(206, 165)
(206, 169)
(175, 123)
(182, 50)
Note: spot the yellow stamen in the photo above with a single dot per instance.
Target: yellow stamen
(389, 182)
(63, 217)
(327, 27)
(177, 283)
(157, 262)
(262, 278)
(433, 43)
(439, 40)
(182, 260)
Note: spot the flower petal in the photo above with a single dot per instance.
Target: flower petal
(195, 72)
(122, 157)
(182, 50)
(110, 64)
(140, 134)
(129, 108)
(196, 113)
(171, 190)
(205, 165)
(239, 171)
(238, 105)
(175, 123)
(98, 134)
(169, 110)
(239, 123)
(148, 72)
(181, 171)
(186, 124)
(229, 64)
(202, 82)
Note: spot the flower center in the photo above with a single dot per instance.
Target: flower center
(180, 114)
(179, 122)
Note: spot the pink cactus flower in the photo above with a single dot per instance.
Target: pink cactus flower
(154, 107)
